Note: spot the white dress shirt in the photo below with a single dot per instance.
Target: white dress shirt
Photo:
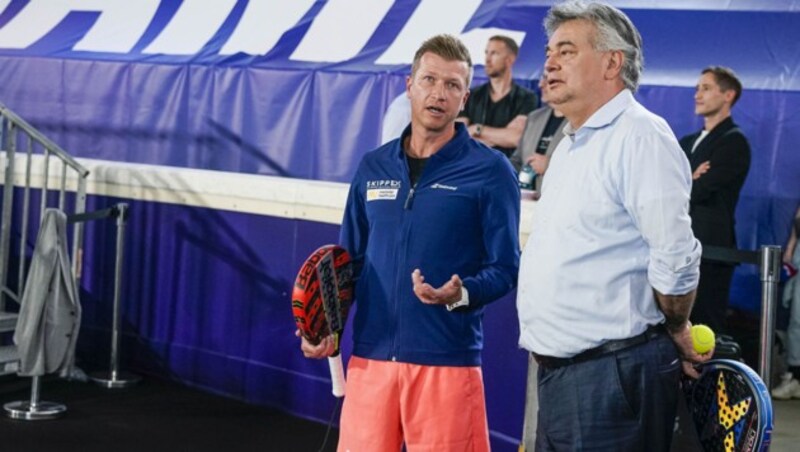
(611, 225)
(703, 134)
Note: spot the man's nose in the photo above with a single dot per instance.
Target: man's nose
(439, 90)
(550, 63)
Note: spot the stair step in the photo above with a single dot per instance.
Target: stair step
(8, 321)
(8, 353)
(9, 359)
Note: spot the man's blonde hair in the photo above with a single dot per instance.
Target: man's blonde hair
(448, 47)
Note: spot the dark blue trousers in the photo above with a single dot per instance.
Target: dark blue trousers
(623, 401)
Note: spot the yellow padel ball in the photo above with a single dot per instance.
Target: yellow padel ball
(702, 338)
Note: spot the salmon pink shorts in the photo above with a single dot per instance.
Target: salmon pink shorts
(429, 408)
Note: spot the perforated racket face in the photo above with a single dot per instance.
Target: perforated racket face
(730, 408)
(323, 292)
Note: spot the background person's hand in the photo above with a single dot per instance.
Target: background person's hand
(701, 169)
(538, 163)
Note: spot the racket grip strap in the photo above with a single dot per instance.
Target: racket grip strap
(337, 375)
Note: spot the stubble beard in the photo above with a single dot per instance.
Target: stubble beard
(437, 126)
(496, 73)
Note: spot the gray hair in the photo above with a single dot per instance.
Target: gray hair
(615, 31)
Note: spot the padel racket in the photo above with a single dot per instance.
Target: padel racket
(321, 298)
(730, 407)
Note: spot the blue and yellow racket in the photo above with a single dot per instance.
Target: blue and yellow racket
(730, 407)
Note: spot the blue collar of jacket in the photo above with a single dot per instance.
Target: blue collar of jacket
(446, 152)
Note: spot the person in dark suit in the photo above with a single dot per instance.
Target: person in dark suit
(719, 156)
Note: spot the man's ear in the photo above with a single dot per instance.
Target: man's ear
(614, 61)
(511, 59)
(729, 95)
(408, 86)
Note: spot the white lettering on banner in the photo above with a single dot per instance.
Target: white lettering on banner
(431, 17)
(121, 24)
(348, 24)
(119, 27)
(450, 16)
(255, 35)
(192, 27)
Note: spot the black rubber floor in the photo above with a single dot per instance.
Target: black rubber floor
(152, 416)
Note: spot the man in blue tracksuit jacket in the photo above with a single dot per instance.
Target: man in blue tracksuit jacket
(431, 223)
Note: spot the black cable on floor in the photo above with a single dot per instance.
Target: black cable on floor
(330, 423)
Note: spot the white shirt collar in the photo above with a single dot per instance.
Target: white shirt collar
(606, 114)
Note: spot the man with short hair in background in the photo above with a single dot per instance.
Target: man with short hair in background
(496, 111)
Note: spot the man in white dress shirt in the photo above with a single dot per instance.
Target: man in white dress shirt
(609, 273)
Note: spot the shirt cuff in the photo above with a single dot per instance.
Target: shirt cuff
(464, 301)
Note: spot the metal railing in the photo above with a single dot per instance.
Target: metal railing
(114, 378)
(17, 136)
(768, 260)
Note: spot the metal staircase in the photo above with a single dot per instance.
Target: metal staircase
(9, 359)
(21, 144)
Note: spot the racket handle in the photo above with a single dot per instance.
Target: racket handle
(337, 374)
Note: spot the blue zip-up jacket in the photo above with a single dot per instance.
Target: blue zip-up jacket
(461, 218)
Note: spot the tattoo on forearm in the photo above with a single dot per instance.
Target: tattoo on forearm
(675, 321)
(676, 309)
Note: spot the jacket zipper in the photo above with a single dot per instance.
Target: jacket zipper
(400, 259)
(402, 250)
(410, 197)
